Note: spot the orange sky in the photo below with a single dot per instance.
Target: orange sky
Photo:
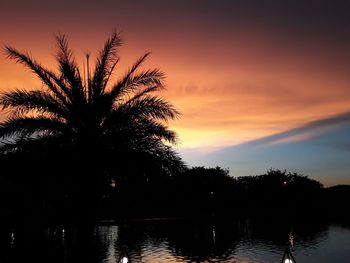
(236, 71)
(227, 92)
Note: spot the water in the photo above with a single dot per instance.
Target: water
(179, 241)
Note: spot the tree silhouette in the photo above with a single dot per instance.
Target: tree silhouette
(83, 116)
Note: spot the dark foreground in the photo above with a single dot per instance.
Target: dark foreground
(211, 217)
(186, 240)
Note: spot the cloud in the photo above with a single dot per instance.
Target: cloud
(320, 149)
(309, 131)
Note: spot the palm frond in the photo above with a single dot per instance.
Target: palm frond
(27, 126)
(69, 69)
(44, 74)
(152, 79)
(14, 147)
(105, 64)
(151, 107)
(142, 129)
(118, 88)
(31, 145)
(23, 101)
(138, 95)
(162, 155)
(151, 128)
(146, 78)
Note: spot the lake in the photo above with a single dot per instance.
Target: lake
(241, 241)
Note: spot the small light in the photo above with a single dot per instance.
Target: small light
(126, 260)
(12, 239)
(113, 183)
(288, 261)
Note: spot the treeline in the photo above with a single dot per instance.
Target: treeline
(51, 191)
(200, 191)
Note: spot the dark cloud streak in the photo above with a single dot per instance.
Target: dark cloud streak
(315, 128)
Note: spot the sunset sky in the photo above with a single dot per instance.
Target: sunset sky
(260, 84)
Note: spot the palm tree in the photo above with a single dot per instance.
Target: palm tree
(99, 124)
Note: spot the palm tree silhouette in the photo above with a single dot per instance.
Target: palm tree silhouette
(88, 116)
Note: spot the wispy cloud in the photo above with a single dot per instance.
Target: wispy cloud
(309, 131)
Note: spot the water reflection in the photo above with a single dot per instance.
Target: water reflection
(12, 238)
(188, 241)
(291, 238)
(176, 241)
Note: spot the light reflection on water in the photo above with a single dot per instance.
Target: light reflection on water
(178, 241)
